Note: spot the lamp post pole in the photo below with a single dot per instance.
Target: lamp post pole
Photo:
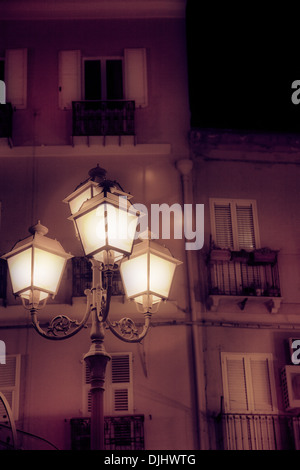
(96, 360)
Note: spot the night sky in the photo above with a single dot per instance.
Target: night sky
(242, 63)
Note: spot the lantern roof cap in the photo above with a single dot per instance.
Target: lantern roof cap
(38, 239)
(149, 245)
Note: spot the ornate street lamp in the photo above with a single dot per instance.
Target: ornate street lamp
(106, 224)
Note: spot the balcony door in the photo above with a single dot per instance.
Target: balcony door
(249, 421)
(103, 79)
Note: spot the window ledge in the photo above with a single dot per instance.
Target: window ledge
(113, 149)
(271, 303)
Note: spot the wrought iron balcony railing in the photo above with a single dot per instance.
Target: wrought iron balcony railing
(120, 433)
(103, 118)
(257, 432)
(244, 274)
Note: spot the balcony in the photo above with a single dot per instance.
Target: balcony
(6, 113)
(103, 118)
(257, 432)
(120, 433)
(243, 277)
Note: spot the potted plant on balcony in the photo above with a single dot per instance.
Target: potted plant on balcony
(219, 254)
(241, 256)
(264, 255)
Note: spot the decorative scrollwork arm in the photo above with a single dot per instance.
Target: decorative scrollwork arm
(61, 327)
(126, 330)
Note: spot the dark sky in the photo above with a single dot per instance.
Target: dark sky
(242, 63)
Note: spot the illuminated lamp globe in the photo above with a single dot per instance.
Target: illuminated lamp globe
(36, 266)
(105, 224)
(148, 274)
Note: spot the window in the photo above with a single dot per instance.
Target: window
(106, 78)
(118, 395)
(250, 421)
(248, 383)
(103, 79)
(9, 385)
(234, 223)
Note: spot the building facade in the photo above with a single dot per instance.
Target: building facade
(94, 84)
(248, 288)
(87, 86)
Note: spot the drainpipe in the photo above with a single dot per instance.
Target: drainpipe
(185, 166)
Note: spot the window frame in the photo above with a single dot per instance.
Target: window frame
(102, 60)
(233, 203)
(246, 357)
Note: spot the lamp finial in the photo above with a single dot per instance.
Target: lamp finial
(97, 174)
(38, 228)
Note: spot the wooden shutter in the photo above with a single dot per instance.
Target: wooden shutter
(261, 385)
(121, 383)
(10, 384)
(16, 77)
(234, 384)
(69, 85)
(248, 383)
(118, 395)
(223, 225)
(136, 87)
(234, 223)
(245, 226)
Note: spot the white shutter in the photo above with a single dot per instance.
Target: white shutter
(16, 77)
(248, 383)
(10, 384)
(234, 384)
(118, 394)
(234, 223)
(136, 87)
(245, 227)
(69, 76)
(121, 383)
(223, 225)
(261, 385)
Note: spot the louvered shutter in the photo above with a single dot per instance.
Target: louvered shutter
(245, 227)
(69, 76)
(118, 395)
(234, 224)
(223, 225)
(16, 77)
(136, 87)
(261, 385)
(121, 383)
(248, 383)
(235, 387)
(9, 385)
